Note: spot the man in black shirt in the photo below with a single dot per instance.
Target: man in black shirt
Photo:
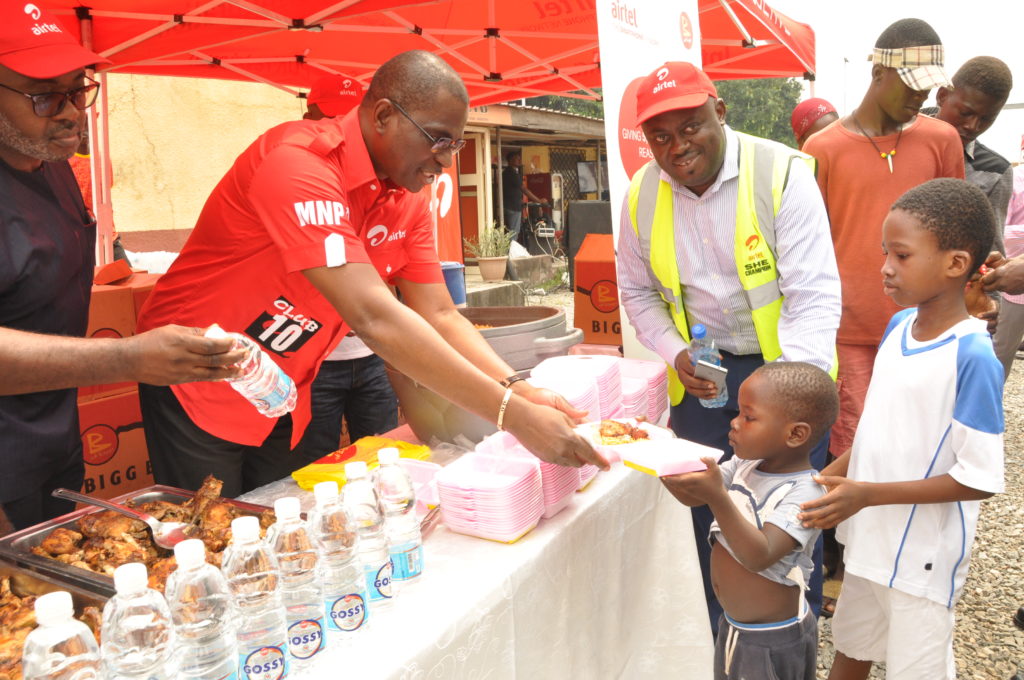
(980, 89)
(47, 253)
(513, 187)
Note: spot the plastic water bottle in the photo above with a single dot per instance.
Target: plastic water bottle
(255, 582)
(61, 648)
(345, 598)
(398, 501)
(203, 615)
(361, 504)
(261, 381)
(301, 590)
(137, 638)
(702, 348)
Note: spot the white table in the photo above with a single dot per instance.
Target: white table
(608, 588)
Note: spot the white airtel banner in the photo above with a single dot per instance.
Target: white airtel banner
(635, 38)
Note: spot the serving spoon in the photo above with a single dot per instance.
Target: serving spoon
(165, 534)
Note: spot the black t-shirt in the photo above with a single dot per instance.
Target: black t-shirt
(512, 187)
(47, 255)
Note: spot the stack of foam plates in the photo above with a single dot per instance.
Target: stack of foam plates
(634, 397)
(604, 370)
(579, 391)
(587, 474)
(558, 482)
(495, 497)
(654, 374)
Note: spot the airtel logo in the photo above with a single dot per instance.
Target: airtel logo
(346, 83)
(662, 73)
(377, 235)
(752, 242)
(33, 12)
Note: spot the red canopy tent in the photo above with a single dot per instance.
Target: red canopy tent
(502, 49)
(748, 39)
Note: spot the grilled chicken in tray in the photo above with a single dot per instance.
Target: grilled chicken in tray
(105, 540)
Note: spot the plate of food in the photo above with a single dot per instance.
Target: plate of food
(611, 436)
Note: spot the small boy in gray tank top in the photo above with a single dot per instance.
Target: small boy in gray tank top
(761, 559)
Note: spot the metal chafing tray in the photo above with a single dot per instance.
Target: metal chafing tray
(17, 547)
(25, 583)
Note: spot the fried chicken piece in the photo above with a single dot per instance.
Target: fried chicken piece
(62, 541)
(207, 493)
(613, 432)
(164, 511)
(267, 519)
(110, 524)
(106, 554)
(92, 617)
(159, 571)
(217, 516)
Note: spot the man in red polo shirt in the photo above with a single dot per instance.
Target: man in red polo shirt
(292, 248)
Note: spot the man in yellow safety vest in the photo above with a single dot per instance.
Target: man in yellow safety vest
(729, 231)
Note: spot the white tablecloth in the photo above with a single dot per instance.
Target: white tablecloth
(608, 588)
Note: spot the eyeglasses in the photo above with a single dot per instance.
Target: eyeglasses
(49, 104)
(440, 144)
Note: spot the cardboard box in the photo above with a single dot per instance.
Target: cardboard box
(596, 298)
(113, 445)
(113, 313)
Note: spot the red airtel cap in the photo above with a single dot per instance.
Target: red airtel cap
(807, 113)
(34, 44)
(675, 85)
(335, 95)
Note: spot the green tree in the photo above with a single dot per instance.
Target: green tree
(762, 106)
(581, 107)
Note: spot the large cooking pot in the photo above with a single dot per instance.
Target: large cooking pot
(522, 336)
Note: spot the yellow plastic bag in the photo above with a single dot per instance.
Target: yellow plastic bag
(332, 466)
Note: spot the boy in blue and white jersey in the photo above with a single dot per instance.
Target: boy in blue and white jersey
(928, 449)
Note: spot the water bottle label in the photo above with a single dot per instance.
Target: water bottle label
(306, 638)
(378, 581)
(408, 561)
(347, 614)
(264, 663)
(276, 398)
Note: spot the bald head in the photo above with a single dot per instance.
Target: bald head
(414, 79)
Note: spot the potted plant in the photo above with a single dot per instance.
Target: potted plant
(490, 248)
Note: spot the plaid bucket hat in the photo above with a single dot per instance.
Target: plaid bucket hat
(920, 68)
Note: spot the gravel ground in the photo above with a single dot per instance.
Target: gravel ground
(987, 644)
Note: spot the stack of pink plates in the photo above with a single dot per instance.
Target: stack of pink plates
(634, 397)
(654, 374)
(557, 481)
(587, 474)
(494, 497)
(603, 370)
(580, 391)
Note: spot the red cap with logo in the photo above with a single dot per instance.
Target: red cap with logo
(34, 44)
(675, 85)
(335, 95)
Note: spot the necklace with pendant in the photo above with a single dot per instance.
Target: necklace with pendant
(886, 156)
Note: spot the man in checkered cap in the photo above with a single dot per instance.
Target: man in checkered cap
(866, 160)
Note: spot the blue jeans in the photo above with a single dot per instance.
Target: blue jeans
(357, 390)
(514, 221)
(710, 426)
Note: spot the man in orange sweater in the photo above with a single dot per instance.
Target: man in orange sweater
(866, 160)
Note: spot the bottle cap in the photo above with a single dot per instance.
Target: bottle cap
(699, 331)
(325, 492)
(189, 554)
(215, 332)
(245, 529)
(54, 608)
(387, 456)
(287, 508)
(355, 470)
(131, 578)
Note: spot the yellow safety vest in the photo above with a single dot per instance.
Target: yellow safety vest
(763, 174)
